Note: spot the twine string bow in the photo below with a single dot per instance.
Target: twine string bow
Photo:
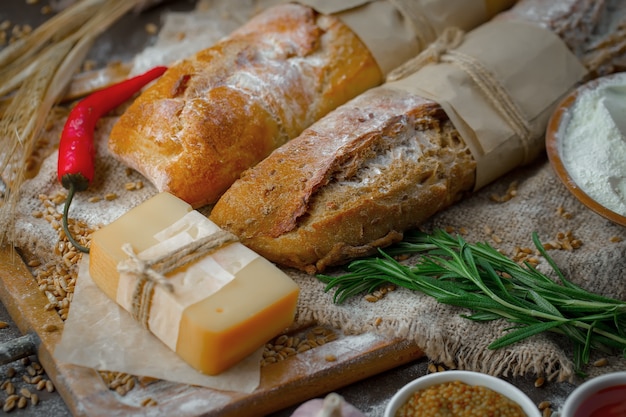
(151, 273)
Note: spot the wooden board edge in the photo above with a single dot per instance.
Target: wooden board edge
(76, 384)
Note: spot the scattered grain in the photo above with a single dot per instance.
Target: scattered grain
(24, 392)
(615, 239)
(601, 362)
(561, 212)
(110, 196)
(9, 405)
(10, 373)
(148, 402)
(3, 324)
(49, 386)
(330, 358)
(151, 29)
(544, 404)
(285, 346)
(539, 382)
(510, 192)
(22, 402)
(370, 298)
(34, 399)
(547, 412)
(9, 388)
(303, 348)
(34, 263)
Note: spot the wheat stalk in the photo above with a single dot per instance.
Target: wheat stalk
(35, 71)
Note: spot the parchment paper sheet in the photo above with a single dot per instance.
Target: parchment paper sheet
(101, 335)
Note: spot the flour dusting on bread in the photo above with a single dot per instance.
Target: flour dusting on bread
(225, 108)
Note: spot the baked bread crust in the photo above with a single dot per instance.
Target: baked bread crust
(385, 161)
(224, 109)
(352, 182)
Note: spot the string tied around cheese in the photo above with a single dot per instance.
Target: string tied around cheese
(444, 50)
(151, 273)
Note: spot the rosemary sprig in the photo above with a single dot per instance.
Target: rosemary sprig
(493, 286)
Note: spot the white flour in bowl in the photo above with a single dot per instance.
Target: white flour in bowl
(593, 150)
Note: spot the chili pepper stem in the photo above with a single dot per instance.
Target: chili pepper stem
(66, 209)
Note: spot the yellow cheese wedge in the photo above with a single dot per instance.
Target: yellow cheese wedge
(222, 308)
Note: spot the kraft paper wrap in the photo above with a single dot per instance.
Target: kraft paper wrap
(396, 30)
(535, 78)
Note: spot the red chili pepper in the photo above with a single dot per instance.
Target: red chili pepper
(76, 148)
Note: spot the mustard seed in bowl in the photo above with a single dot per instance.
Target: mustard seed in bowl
(458, 393)
(458, 399)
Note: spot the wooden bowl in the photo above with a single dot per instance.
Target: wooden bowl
(557, 123)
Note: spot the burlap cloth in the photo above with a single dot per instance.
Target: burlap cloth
(542, 204)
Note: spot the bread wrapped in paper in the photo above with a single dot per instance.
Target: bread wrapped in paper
(389, 159)
(227, 107)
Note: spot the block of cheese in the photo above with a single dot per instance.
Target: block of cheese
(212, 311)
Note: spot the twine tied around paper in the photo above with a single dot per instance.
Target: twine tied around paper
(443, 50)
(449, 39)
(151, 272)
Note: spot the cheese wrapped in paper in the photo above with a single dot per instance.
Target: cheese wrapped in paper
(213, 311)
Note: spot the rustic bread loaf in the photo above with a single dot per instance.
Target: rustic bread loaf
(385, 161)
(213, 115)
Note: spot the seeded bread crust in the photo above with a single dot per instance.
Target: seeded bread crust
(385, 161)
(224, 109)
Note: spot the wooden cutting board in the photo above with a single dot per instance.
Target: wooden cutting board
(285, 383)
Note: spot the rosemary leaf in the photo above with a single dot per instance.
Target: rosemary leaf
(492, 286)
(522, 333)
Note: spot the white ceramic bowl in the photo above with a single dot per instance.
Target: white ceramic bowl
(576, 399)
(468, 377)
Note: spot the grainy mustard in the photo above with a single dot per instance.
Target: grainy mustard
(458, 399)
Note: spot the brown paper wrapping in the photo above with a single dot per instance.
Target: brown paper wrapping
(530, 63)
(397, 30)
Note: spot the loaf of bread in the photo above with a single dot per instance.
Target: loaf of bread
(216, 113)
(385, 161)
